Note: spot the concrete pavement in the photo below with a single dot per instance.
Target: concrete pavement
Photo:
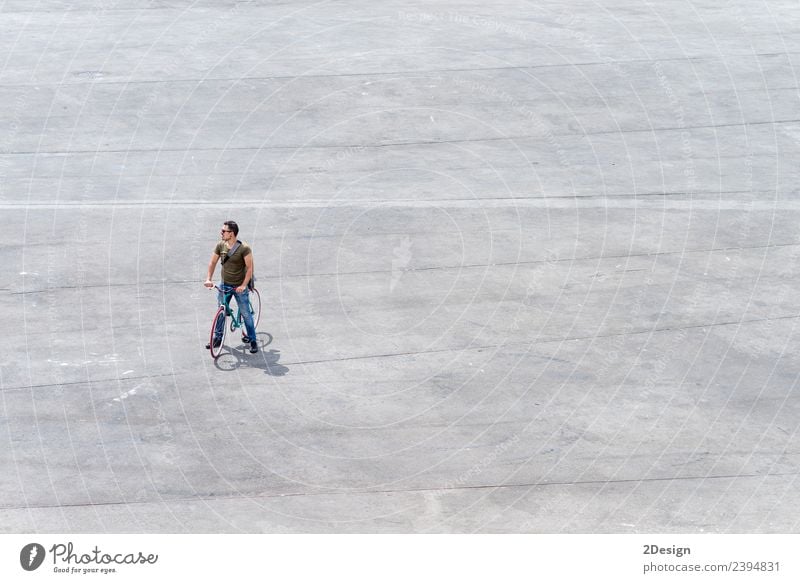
(527, 267)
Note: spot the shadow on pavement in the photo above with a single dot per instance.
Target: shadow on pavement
(238, 355)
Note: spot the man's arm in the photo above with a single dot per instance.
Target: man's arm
(248, 263)
(212, 265)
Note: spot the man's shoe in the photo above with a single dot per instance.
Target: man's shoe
(253, 347)
(217, 342)
(246, 339)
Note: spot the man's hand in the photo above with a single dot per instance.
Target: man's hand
(208, 283)
(241, 289)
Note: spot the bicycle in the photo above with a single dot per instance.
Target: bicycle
(237, 321)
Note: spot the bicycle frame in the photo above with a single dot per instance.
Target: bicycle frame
(226, 301)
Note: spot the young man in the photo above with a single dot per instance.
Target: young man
(237, 271)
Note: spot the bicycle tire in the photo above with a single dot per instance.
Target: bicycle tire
(255, 305)
(215, 352)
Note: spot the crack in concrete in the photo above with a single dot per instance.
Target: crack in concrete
(414, 142)
(416, 269)
(406, 490)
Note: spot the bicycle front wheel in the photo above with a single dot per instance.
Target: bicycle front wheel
(217, 324)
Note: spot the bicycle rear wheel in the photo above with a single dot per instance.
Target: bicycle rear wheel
(255, 305)
(218, 323)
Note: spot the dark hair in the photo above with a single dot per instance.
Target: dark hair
(232, 226)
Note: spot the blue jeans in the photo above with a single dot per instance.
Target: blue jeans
(243, 301)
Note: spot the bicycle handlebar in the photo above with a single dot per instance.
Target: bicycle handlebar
(229, 292)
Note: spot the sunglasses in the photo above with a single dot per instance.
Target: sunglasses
(225, 231)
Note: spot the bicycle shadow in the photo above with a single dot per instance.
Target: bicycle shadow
(238, 354)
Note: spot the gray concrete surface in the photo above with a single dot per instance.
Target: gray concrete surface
(527, 266)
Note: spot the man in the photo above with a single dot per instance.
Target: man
(237, 272)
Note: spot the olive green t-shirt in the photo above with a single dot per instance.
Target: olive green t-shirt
(234, 268)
